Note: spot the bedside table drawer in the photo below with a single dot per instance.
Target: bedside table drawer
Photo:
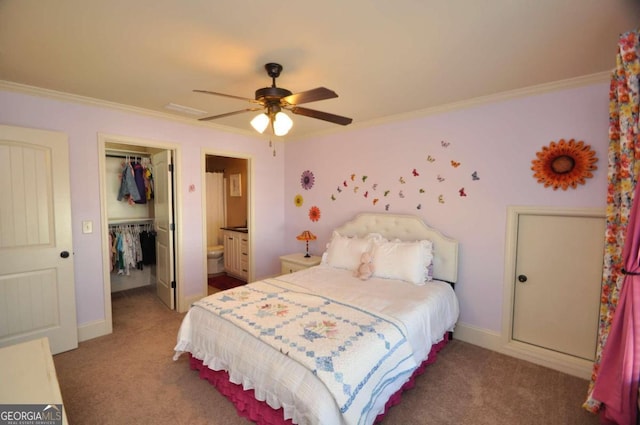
(288, 267)
(295, 262)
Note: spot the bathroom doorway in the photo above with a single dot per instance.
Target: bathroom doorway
(226, 205)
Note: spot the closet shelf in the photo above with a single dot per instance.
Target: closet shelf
(130, 220)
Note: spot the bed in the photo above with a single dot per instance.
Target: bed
(322, 346)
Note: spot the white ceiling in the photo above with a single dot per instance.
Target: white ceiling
(383, 58)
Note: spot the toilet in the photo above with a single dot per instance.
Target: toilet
(215, 260)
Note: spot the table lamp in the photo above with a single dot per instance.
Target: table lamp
(306, 236)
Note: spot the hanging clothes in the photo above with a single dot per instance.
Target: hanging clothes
(133, 246)
(148, 247)
(148, 178)
(138, 176)
(136, 181)
(128, 187)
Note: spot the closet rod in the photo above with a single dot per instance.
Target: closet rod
(132, 155)
(116, 222)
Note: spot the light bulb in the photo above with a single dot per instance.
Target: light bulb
(260, 123)
(282, 124)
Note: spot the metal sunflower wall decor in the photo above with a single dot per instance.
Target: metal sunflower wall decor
(564, 164)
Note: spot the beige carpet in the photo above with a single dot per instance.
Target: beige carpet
(129, 377)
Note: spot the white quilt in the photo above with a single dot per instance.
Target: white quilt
(422, 314)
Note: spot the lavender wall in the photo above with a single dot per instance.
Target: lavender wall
(82, 124)
(496, 141)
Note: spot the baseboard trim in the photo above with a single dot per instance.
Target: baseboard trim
(94, 329)
(494, 341)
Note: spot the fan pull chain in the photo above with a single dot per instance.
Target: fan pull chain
(271, 146)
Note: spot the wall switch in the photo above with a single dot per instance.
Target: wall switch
(87, 226)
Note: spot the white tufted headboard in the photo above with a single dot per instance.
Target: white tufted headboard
(409, 228)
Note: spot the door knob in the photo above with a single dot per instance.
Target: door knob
(522, 278)
(64, 254)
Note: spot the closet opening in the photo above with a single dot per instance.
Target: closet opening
(138, 221)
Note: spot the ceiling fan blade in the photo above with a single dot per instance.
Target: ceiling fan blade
(227, 95)
(336, 119)
(228, 114)
(313, 95)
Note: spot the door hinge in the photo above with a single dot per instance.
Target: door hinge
(172, 226)
(173, 284)
(171, 168)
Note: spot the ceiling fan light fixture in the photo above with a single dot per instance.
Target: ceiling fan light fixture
(260, 123)
(281, 124)
(273, 99)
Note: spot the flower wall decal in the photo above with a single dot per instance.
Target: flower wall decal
(564, 164)
(314, 213)
(298, 200)
(307, 180)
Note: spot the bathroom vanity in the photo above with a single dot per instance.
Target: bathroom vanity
(236, 252)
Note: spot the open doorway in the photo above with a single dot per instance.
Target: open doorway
(138, 230)
(226, 215)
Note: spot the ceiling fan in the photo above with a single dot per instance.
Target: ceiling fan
(274, 99)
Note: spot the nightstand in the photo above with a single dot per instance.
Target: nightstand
(294, 262)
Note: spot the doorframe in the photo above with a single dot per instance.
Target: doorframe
(204, 152)
(548, 358)
(103, 139)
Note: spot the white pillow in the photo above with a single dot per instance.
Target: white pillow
(407, 261)
(344, 252)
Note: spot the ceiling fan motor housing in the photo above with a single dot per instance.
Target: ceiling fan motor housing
(271, 94)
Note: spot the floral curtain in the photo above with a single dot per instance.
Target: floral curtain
(623, 171)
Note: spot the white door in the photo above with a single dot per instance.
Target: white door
(37, 289)
(557, 282)
(163, 205)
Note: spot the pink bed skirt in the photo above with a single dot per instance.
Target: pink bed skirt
(261, 413)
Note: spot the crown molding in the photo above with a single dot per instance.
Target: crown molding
(597, 78)
(90, 101)
(585, 80)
